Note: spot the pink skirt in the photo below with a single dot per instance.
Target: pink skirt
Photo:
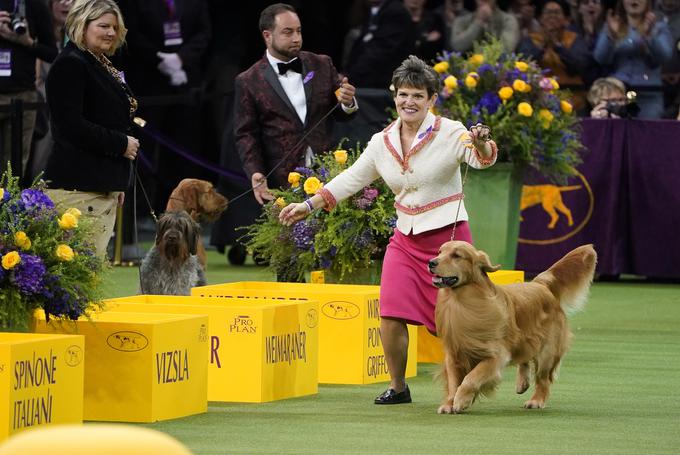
(406, 289)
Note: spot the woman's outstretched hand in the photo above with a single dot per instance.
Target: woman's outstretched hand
(480, 134)
(292, 213)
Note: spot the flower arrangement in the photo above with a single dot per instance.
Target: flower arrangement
(46, 258)
(343, 241)
(531, 118)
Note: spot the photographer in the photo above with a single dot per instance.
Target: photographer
(25, 35)
(607, 95)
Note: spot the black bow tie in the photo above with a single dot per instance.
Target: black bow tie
(293, 65)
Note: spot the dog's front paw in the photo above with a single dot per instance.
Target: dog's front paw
(522, 386)
(445, 409)
(534, 404)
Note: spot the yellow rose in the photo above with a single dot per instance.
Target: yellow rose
(525, 109)
(64, 252)
(476, 59)
(74, 211)
(505, 93)
(520, 86)
(68, 221)
(21, 240)
(554, 83)
(294, 179)
(566, 107)
(546, 117)
(2, 193)
(312, 185)
(522, 66)
(441, 67)
(471, 80)
(10, 260)
(280, 202)
(340, 156)
(451, 83)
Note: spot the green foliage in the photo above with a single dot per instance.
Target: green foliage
(530, 117)
(342, 241)
(47, 258)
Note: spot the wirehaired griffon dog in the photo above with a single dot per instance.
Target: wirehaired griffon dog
(484, 327)
(200, 200)
(171, 266)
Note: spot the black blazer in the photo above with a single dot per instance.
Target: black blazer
(386, 39)
(90, 120)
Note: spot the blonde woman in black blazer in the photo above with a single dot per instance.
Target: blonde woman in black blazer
(91, 111)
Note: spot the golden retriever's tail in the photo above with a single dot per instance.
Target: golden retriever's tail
(569, 278)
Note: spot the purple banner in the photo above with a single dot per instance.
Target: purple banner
(625, 200)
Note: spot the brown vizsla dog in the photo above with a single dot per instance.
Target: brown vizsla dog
(200, 200)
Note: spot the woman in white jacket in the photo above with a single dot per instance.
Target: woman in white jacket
(426, 181)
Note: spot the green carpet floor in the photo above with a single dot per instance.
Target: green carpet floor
(618, 393)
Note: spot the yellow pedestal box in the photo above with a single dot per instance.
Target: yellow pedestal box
(430, 347)
(350, 350)
(41, 380)
(260, 350)
(141, 367)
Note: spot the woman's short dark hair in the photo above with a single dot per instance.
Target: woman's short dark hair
(413, 72)
(268, 15)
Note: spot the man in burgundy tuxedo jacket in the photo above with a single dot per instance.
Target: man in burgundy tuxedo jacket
(280, 98)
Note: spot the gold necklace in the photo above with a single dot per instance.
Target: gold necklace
(108, 66)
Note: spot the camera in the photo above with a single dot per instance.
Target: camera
(628, 109)
(620, 110)
(18, 24)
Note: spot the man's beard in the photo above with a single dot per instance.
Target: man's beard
(290, 54)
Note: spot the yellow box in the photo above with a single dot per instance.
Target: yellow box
(41, 380)
(141, 367)
(430, 347)
(350, 349)
(260, 350)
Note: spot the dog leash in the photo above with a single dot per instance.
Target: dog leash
(285, 157)
(462, 185)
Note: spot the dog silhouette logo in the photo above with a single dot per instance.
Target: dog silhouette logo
(551, 213)
(73, 355)
(340, 310)
(312, 318)
(127, 341)
(550, 198)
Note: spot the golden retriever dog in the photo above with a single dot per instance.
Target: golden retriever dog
(201, 201)
(484, 327)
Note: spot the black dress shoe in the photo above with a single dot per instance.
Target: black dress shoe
(389, 396)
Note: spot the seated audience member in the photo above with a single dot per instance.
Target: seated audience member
(429, 30)
(525, 12)
(635, 43)
(486, 19)
(607, 96)
(558, 49)
(588, 22)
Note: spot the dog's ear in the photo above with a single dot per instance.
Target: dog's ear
(484, 263)
(193, 235)
(160, 228)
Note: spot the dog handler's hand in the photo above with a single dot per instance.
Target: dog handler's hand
(132, 148)
(292, 213)
(480, 134)
(260, 189)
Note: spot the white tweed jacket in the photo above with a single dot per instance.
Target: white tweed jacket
(426, 180)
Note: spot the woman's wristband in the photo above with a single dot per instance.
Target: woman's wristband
(310, 207)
